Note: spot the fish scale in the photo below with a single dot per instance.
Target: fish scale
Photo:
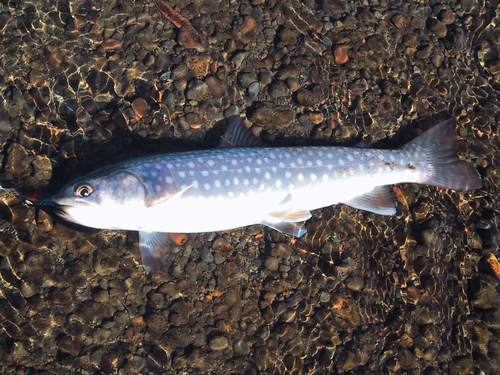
(243, 183)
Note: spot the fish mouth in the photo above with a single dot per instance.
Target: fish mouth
(49, 205)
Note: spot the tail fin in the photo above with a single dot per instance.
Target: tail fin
(450, 172)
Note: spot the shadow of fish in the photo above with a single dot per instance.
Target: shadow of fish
(242, 182)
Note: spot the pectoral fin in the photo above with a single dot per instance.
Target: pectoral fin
(378, 200)
(159, 200)
(152, 246)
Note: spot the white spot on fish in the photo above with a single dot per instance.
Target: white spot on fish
(158, 188)
(319, 162)
(255, 180)
(227, 182)
(190, 164)
(224, 167)
(274, 169)
(325, 178)
(341, 162)
(153, 173)
(300, 161)
(217, 183)
(267, 176)
(300, 176)
(196, 184)
(170, 166)
(391, 157)
(169, 180)
(292, 164)
(349, 156)
(204, 173)
(313, 176)
(287, 155)
(309, 163)
(211, 163)
(234, 162)
(258, 161)
(416, 155)
(281, 164)
(236, 181)
(246, 182)
(288, 174)
(191, 173)
(206, 185)
(182, 174)
(158, 166)
(239, 170)
(277, 183)
(248, 169)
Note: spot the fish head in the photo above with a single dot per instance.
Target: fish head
(105, 201)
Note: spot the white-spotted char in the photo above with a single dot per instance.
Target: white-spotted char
(243, 183)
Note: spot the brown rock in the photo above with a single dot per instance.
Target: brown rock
(140, 107)
(18, 160)
(278, 116)
(340, 54)
(438, 28)
(199, 65)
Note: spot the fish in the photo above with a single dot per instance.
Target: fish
(243, 182)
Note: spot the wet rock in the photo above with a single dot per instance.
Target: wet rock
(197, 90)
(216, 86)
(271, 264)
(241, 347)
(199, 65)
(218, 343)
(278, 89)
(140, 107)
(438, 28)
(253, 90)
(341, 56)
(308, 98)
(447, 17)
(276, 116)
(5, 127)
(18, 161)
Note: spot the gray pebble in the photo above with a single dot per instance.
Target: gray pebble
(197, 90)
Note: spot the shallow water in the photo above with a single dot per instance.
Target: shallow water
(84, 83)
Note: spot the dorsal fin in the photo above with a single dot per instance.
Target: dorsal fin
(238, 135)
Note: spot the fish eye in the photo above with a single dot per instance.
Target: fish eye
(84, 190)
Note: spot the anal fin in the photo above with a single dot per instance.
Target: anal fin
(293, 229)
(378, 200)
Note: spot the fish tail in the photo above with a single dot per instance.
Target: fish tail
(449, 171)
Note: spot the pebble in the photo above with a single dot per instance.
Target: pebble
(218, 343)
(232, 111)
(279, 89)
(438, 28)
(271, 264)
(278, 116)
(341, 56)
(241, 347)
(197, 90)
(253, 90)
